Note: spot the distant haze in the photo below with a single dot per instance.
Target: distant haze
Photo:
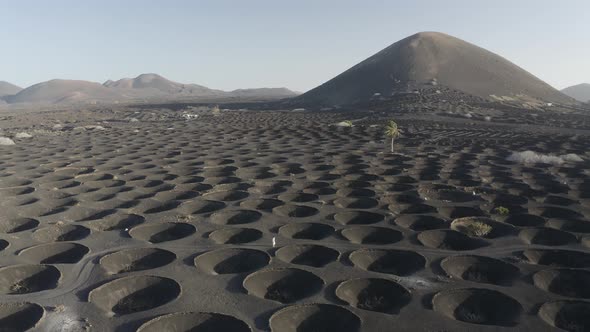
(228, 45)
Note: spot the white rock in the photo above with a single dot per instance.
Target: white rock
(531, 157)
(6, 141)
(23, 135)
(344, 124)
(572, 157)
(93, 127)
(189, 116)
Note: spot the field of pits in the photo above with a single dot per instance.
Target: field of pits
(277, 221)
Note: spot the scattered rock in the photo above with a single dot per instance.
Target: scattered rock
(23, 135)
(6, 141)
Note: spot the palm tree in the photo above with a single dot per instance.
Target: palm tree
(392, 131)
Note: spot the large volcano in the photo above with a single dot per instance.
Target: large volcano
(431, 56)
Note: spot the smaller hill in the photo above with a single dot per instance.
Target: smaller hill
(59, 91)
(579, 92)
(8, 89)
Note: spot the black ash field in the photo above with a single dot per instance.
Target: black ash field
(152, 219)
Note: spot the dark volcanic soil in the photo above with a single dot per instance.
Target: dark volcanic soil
(147, 219)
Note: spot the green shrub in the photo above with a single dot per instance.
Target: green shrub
(503, 211)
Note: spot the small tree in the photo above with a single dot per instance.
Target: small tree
(392, 131)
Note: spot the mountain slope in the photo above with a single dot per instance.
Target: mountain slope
(59, 91)
(7, 89)
(579, 92)
(426, 56)
(263, 92)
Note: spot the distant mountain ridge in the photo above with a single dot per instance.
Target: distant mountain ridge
(579, 92)
(159, 83)
(429, 57)
(143, 87)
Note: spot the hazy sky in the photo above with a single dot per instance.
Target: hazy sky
(297, 43)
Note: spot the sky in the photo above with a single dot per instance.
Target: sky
(298, 44)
